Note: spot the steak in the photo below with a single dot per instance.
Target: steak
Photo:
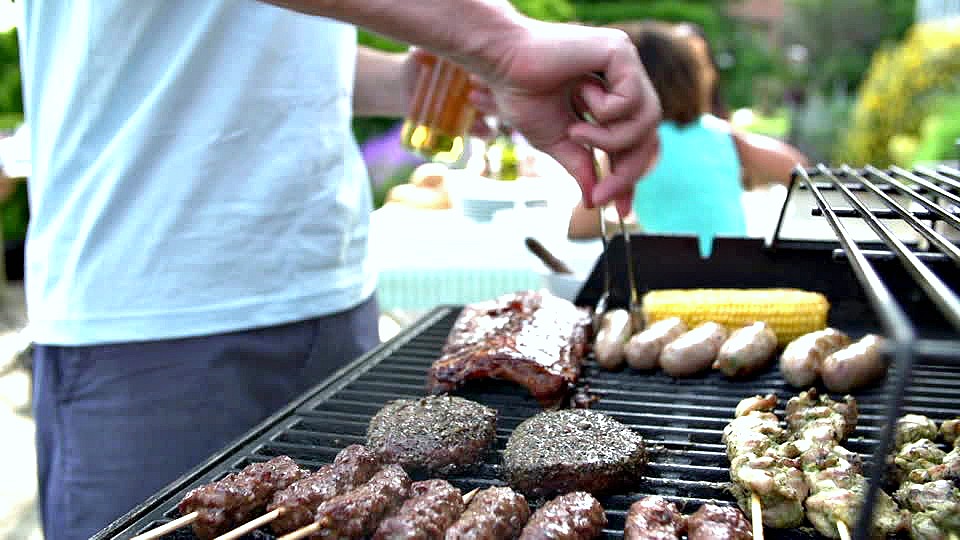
(573, 450)
(531, 338)
(439, 435)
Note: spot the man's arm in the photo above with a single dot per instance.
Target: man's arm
(379, 87)
(529, 69)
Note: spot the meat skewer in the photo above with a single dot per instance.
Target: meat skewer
(712, 522)
(769, 486)
(496, 513)
(219, 506)
(433, 506)
(927, 488)
(654, 518)
(574, 516)
(833, 474)
(293, 507)
(357, 513)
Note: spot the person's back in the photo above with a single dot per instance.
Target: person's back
(695, 187)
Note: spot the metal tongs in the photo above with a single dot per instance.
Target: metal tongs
(633, 307)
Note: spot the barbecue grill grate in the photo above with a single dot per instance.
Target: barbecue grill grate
(682, 420)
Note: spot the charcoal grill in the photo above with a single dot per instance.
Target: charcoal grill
(901, 290)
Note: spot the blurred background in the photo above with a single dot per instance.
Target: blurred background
(851, 81)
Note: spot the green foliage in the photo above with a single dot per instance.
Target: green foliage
(940, 132)
(905, 85)
(840, 37)
(11, 97)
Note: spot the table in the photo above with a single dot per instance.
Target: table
(427, 258)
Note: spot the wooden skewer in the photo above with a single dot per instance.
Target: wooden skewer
(251, 525)
(469, 495)
(182, 521)
(302, 532)
(843, 530)
(756, 515)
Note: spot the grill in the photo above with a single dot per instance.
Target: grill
(899, 289)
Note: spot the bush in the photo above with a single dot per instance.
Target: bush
(903, 87)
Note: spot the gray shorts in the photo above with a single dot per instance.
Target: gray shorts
(116, 423)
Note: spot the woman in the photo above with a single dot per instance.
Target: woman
(705, 164)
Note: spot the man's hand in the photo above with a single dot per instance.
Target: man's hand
(546, 65)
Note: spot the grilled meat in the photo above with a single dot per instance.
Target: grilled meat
(920, 455)
(435, 434)
(801, 359)
(433, 506)
(913, 427)
(573, 450)
(530, 338)
(574, 516)
(747, 350)
(496, 513)
(238, 497)
(712, 522)
(777, 481)
(356, 513)
(753, 440)
(809, 413)
(950, 431)
(756, 403)
(948, 469)
(353, 466)
(654, 518)
(828, 506)
(920, 497)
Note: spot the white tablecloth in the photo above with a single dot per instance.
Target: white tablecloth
(427, 258)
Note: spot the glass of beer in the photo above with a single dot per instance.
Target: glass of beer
(440, 114)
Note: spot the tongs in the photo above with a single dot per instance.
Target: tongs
(633, 306)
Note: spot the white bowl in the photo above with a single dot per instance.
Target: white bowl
(565, 286)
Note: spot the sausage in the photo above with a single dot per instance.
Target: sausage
(694, 351)
(496, 513)
(855, 366)
(801, 360)
(611, 338)
(643, 349)
(748, 350)
(574, 516)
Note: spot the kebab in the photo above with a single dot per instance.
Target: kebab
(926, 490)
(834, 475)
(656, 518)
(574, 516)
(217, 507)
(769, 486)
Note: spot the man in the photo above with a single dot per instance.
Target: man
(197, 252)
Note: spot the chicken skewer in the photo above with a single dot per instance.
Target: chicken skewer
(927, 487)
(769, 486)
(834, 475)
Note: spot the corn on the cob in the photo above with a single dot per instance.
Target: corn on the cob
(791, 313)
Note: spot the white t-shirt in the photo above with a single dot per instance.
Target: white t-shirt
(194, 169)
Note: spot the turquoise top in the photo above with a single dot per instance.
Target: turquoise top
(695, 187)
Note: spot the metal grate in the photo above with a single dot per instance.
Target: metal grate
(682, 421)
(930, 196)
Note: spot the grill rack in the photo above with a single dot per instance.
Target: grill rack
(903, 345)
(682, 419)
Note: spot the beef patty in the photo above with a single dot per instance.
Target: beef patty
(573, 450)
(439, 435)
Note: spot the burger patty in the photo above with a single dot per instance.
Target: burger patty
(438, 435)
(573, 450)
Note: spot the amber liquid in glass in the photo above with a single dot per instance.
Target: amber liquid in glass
(440, 113)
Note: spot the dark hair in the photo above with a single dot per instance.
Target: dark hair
(672, 66)
(717, 103)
